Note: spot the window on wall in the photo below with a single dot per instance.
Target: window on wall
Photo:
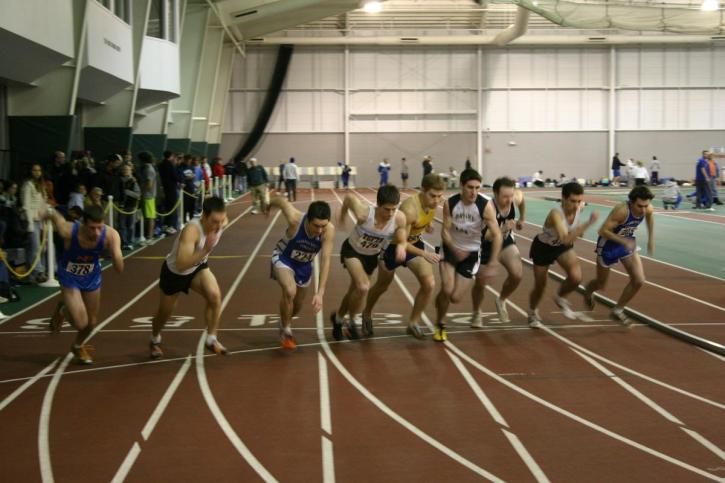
(156, 15)
(120, 8)
(163, 19)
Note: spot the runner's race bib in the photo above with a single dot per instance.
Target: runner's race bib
(303, 257)
(79, 269)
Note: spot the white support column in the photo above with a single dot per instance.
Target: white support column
(479, 111)
(346, 101)
(612, 106)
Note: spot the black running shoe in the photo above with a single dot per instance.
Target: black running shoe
(367, 326)
(350, 330)
(336, 328)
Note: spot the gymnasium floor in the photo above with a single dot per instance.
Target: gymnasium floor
(575, 401)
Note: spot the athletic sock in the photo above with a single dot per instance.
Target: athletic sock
(156, 339)
(210, 339)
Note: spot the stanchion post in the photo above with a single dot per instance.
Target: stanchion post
(110, 211)
(50, 266)
(182, 221)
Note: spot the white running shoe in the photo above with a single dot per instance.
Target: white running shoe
(619, 315)
(535, 320)
(566, 310)
(476, 322)
(503, 313)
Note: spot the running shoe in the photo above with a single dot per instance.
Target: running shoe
(287, 341)
(589, 300)
(566, 310)
(155, 350)
(367, 326)
(350, 330)
(535, 320)
(57, 319)
(416, 331)
(336, 327)
(619, 315)
(82, 354)
(440, 334)
(217, 348)
(476, 322)
(503, 313)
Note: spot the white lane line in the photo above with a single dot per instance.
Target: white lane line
(17, 392)
(46, 466)
(653, 405)
(204, 383)
(328, 461)
(381, 405)
(523, 453)
(325, 419)
(718, 356)
(135, 450)
(222, 420)
(478, 391)
(328, 467)
(556, 408)
(161, 407)
(602, 358)
(128, 462)
(647, 282)
(44, 424)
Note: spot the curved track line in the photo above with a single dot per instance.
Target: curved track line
(204, 384)
(46, 466)
(44, 425)
(29, 382)
(387, 410)
(600, 357)
(560, 410)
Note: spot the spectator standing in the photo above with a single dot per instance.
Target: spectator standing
(130, 195)
(703, 196)
(714, 173)
(384, 170)
(537, 179)
(59, 174)
(33, 202)
(654, 168)
(189, 186)
(240, 176)
(77, 196)
(616, 169)
(280, 178)
(639, 173)
(345, 175)
(427, 165)
(257, 178)
(290, 179)
(148, 191)
(404, 174)
(628, 168)
(170, 182)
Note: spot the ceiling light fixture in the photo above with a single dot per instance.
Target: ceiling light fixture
(372, 6)
(710, 5)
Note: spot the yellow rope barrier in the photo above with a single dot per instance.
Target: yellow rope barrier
(115, 207)
(172, 209)
(35, 262)
(189, 194)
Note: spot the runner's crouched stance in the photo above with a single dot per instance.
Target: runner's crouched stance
(465, 215)
(556, 244)
(186, 268)
(617, 243)
(79, 273)
(375, 227)
(306, 235)
(419, 211)
(506, 200)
